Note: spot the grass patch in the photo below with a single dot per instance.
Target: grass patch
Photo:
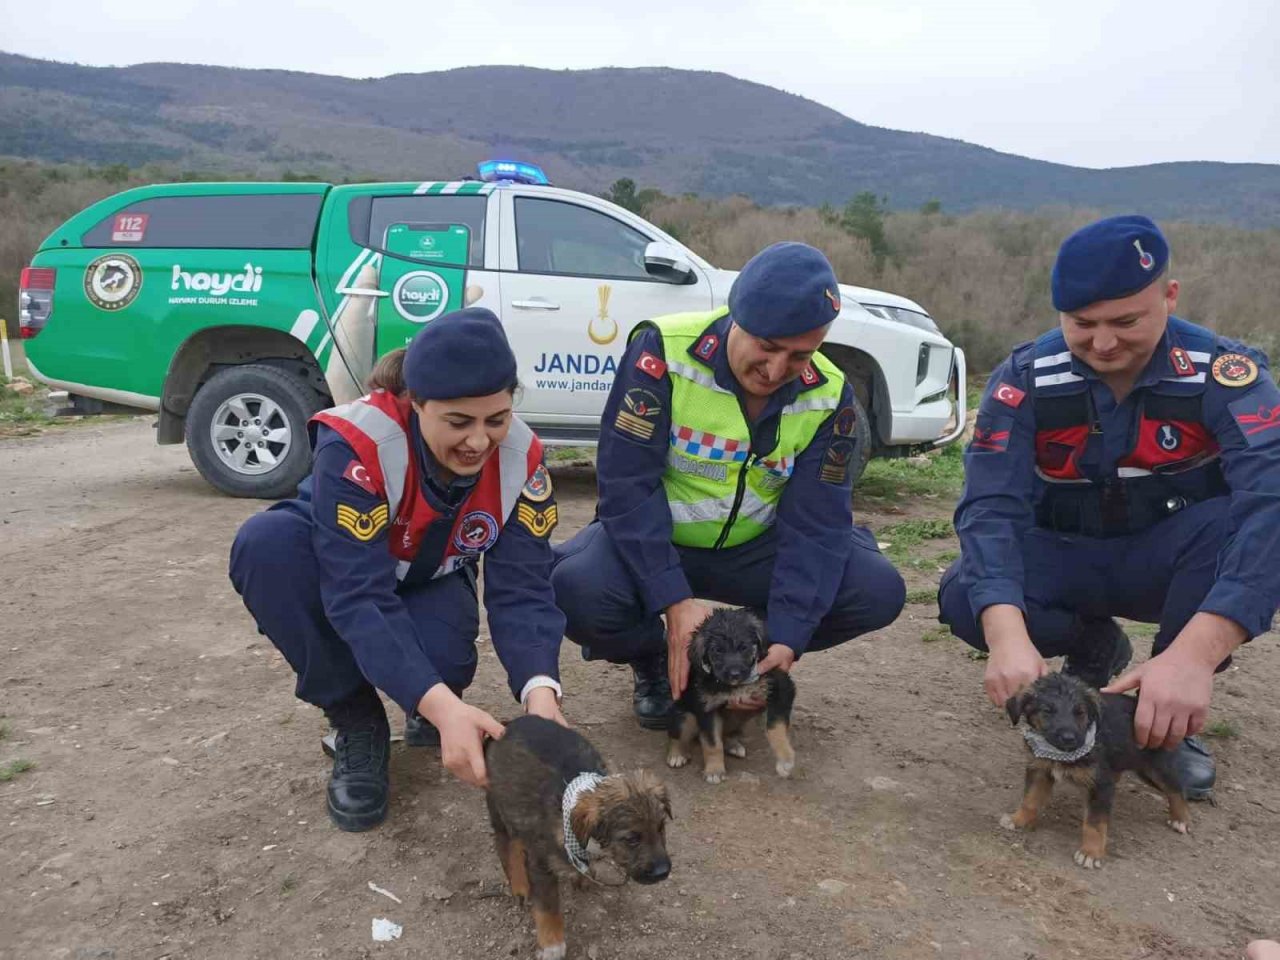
(894, 479)
(15, 409)
(922, 596)
(5, 730)
(563, 454)
(1222, 729)
(933, 636)
(973, 654)
(288, 885)
(14, 767)
(943, 559)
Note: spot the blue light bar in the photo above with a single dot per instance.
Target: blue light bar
(495, 170)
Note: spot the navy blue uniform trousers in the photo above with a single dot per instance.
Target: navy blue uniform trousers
(274, 569)
(606, 616)
(1160, 575)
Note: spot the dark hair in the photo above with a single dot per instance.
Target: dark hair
(388, 374)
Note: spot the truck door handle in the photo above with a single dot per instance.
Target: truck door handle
(535, 303)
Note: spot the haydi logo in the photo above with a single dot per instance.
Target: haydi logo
(218, 284)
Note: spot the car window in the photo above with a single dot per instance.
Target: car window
(557, 237)
(257, 221)
(431, 213)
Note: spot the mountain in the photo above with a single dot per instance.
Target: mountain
(678, 130)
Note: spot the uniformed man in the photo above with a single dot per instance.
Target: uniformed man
(724, 473)
(1126, 463)
(367, 580)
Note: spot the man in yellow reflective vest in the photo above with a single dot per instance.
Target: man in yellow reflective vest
(724, 470)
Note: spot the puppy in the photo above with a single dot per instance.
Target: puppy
(1075, 733)
(554, 806)
(724, 692)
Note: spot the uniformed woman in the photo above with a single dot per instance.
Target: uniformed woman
(366, 581)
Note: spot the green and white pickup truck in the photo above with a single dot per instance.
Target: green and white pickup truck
(236, 310)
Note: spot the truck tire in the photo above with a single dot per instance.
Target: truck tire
(246, 431)
(861, 433)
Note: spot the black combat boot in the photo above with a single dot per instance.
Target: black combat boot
(1102, 650)
(652, 696)
(359, 786)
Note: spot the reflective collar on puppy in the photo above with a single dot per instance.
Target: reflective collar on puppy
(1044, 750)
(577, 853)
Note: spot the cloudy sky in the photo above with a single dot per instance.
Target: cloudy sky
(1085, 82)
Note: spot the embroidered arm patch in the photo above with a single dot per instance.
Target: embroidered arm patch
(638, 414)
(991, 434)
(1258, 416)
(538, 521)
(836, 461)
(538, 489)
(363, 526)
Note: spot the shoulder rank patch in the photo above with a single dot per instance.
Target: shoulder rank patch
(653, 366)
(810, 376)
(538, 489)
(1235, 370)
(835, 463)
(706, 348)
(538, 522)
(1181, 363)
(638, 413)
(357, 473)
(363, 526)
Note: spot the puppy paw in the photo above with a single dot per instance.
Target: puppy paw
(734, 748)
(1178, 826)
(1089, 863)
(784, 767)
(676, 760)
(553, 952)
(712, 777)
(1006, 821)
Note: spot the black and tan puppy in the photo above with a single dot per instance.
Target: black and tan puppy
(1075, 733)
(554, 806)
(724, 692)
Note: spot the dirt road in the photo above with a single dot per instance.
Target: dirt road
(176, 805)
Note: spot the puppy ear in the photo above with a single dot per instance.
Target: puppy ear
(762, 638)
(665, 799)
(1093, 703)
(1016, 706)
(586, 814)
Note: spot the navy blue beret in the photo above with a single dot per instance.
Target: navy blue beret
(784, 290)
(461, 354)
(1107, 260)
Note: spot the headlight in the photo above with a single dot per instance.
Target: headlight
(912, 318)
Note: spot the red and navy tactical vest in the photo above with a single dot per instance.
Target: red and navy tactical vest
(376, 426)
(1173, 458)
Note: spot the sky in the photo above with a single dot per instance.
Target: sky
(1083, 82)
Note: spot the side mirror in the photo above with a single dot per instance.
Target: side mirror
(668, 263)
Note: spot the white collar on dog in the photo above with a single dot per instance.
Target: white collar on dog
(1044, 750)
(578, 855)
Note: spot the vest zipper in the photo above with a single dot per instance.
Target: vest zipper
(737, 501)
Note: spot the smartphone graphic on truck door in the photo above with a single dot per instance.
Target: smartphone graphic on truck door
(425, 278)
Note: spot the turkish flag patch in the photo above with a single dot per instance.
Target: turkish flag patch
(653, 366)
(1010, 395)
(358, 475)
(809, 375)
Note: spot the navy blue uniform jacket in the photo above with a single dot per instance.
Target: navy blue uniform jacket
(995, 508)
(361, 595)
